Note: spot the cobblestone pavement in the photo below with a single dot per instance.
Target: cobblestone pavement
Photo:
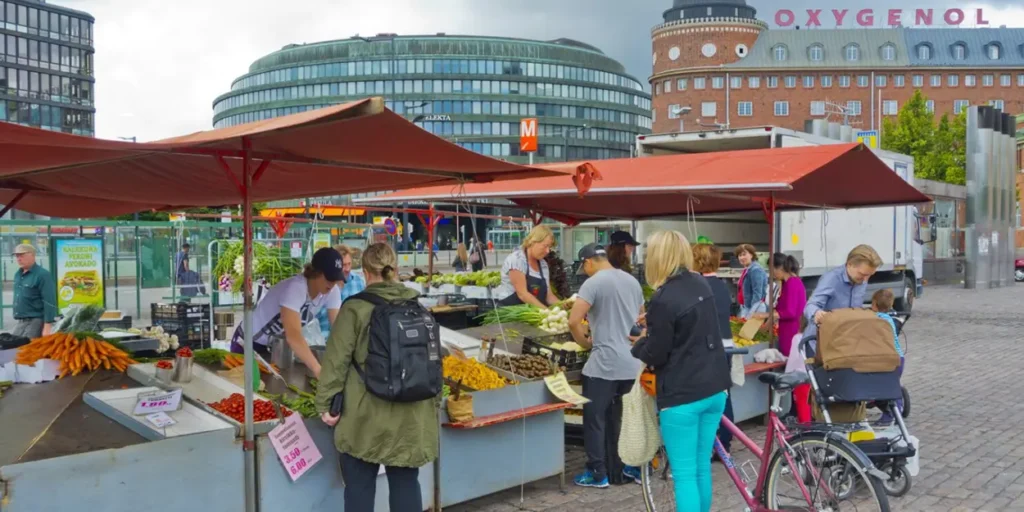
(964, 350)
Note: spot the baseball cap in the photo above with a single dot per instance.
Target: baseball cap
(328, 262)
(24, 249)
(622, 237)
(590, 251)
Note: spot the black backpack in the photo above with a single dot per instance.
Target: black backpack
(403, 363)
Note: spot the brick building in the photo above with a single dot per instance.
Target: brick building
(715, 63)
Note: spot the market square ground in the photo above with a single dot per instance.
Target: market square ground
(963, 362)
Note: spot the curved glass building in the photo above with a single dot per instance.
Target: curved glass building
(471, 90)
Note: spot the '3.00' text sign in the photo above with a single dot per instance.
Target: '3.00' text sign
(294, 446)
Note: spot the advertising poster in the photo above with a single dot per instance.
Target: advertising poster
(321, 240)
(79, 275)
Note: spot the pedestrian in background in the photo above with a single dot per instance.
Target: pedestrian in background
(753, 285)
(35, 295)
(354, 284)
(707, 259)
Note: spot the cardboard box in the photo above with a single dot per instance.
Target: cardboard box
(44, 370)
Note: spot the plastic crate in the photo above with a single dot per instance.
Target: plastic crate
(568, 359)
(180, 311)
(193, 333)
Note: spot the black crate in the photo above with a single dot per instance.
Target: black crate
(568, 359)
(180, 311)
(193, 333)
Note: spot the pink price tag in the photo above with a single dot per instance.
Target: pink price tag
(294, 446)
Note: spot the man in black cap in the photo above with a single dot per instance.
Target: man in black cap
(620, 252)
(611, 300)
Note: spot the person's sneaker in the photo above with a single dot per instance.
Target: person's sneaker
(885, 421)
(587, 480)
(632, 473)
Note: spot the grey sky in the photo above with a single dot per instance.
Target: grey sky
(159, 65)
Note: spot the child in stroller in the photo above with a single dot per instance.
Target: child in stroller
(881, 304)
(845, 390)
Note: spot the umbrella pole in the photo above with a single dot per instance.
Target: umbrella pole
(771, 281)
(430, 241)
(249, 443)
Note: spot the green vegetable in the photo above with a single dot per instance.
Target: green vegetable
(648, 292)
(525, 313)
(272, 264)
(210, 356)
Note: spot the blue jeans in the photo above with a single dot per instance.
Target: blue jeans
(689, 434)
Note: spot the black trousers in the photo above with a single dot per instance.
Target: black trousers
(724, 434)
(361, 486)
(602, 421)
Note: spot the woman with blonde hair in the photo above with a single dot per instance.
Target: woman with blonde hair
(525, 276)
(461, 262)
(683, 345)
(371, 431)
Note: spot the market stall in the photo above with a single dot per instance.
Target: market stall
(355, 147)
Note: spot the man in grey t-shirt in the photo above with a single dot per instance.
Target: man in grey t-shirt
(612, 301)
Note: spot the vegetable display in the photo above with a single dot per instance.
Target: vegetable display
(184, 352)
(165, 365)
(529, 366)
(271, 264)
(235, 360)
(472, 373)
(559, 279)
(75, 355)
(736, 324)
(167, 341)
(234, 408)
(303, 403)
(210, 356)
(80, 319)
(554, 320)
(490, 279)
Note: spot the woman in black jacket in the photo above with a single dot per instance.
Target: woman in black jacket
(683, 344)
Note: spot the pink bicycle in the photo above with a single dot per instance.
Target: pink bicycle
(813, 468)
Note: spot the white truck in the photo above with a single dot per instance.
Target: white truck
(819, 239)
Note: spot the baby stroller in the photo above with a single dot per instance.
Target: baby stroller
(900, 319)
(837, 384)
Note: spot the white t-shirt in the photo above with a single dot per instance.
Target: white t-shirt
(292, 293)
(517, 261)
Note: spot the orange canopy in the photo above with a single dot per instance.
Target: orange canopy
(350, 148)
(829, 176)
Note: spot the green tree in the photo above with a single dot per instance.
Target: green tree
(939, 149)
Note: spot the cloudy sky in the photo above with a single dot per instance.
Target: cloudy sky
(159, 64)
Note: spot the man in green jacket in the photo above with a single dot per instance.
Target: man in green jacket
(35, 295)
(371, 431)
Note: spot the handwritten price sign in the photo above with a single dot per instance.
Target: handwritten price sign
(294, 446)
(158, 401)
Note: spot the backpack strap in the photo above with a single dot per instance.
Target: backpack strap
(372, 298)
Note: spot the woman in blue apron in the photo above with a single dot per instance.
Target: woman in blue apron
(525, 277)
(294, 303)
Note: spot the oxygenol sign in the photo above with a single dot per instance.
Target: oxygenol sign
(889, 17)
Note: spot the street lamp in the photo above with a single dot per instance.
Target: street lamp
(680, 112)
(565, 140)
(132, 138)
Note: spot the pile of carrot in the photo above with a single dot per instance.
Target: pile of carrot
(75, 355)
(235, 360)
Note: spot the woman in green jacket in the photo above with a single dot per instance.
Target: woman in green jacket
(371, 432)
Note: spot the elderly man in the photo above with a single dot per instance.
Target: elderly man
(35, 295)
(354, 283)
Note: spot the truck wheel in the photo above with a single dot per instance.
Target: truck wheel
(906, 303)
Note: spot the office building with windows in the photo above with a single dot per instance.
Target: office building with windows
(716, 64)
(46, 67)
(471, 90)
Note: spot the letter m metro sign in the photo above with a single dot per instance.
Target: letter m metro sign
(528, 135)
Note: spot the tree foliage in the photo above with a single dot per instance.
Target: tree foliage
(165, 216)
(939, 148)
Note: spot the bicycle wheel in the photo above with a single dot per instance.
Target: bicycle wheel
(832, 470)
(658, 487)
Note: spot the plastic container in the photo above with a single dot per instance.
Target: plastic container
(183, 369)
(568, 359)
(165, 375)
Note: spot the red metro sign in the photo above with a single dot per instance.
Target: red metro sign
(867, 17)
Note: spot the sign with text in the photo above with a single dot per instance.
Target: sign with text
(869, 138)
(160, 420)
(158, 401)
(528, 135)
(321, 240)
(880, 18)
(294, 446)
(79, 264)
(559, 386)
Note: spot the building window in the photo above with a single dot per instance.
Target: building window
(958, 51)
(673, 111)
(852, 53)
(929, 105)
(826, 81)
(745, 109)
(1020, 80)
(657, 89)
(754, 82)
(717, 82)
(888, 51)
(817, 108)
(735, 82)
(996, 103)
(853, 107)
(953, 80)
(863, 80)
(1004, 80)
(918, 80)
(994, 51)
(709, 109)
(881, 80)
(844, 80)
(890, 108)
(781, 108)
(668, 86)
(790, 81)
(816, 53)
(970, 80)
(681, 84)
(699, 83)
(960, 105)
(988, 80)
(924, 51)
(936, 80)
(899, 81)
(808, 81)
(773, 82)
(780, 52)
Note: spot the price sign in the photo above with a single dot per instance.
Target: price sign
(160, 420)
(158, 401)
(294, 446)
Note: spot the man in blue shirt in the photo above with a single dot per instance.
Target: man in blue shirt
(843, 287)
(354, 284)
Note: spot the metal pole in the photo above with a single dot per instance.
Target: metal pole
(565, 146)
(406, 236)
(430, 241)
(249, 442)
(531, 157)
(138, 275)
(771, 282)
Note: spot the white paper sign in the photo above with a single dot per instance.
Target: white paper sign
(158, 401)
(160, 419)
(294, 446)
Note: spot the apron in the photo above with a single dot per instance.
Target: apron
(535, 284)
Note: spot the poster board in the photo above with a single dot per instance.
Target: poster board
(78, 265)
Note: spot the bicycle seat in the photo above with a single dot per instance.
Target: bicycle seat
(783, 381)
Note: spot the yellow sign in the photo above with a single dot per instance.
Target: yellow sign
(559, 386)
(79, 265)
(868, 138)
(321, 240)
(795, 239)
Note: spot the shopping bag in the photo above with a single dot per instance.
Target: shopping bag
(460, 409)
(314, 336)
(639, 438)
